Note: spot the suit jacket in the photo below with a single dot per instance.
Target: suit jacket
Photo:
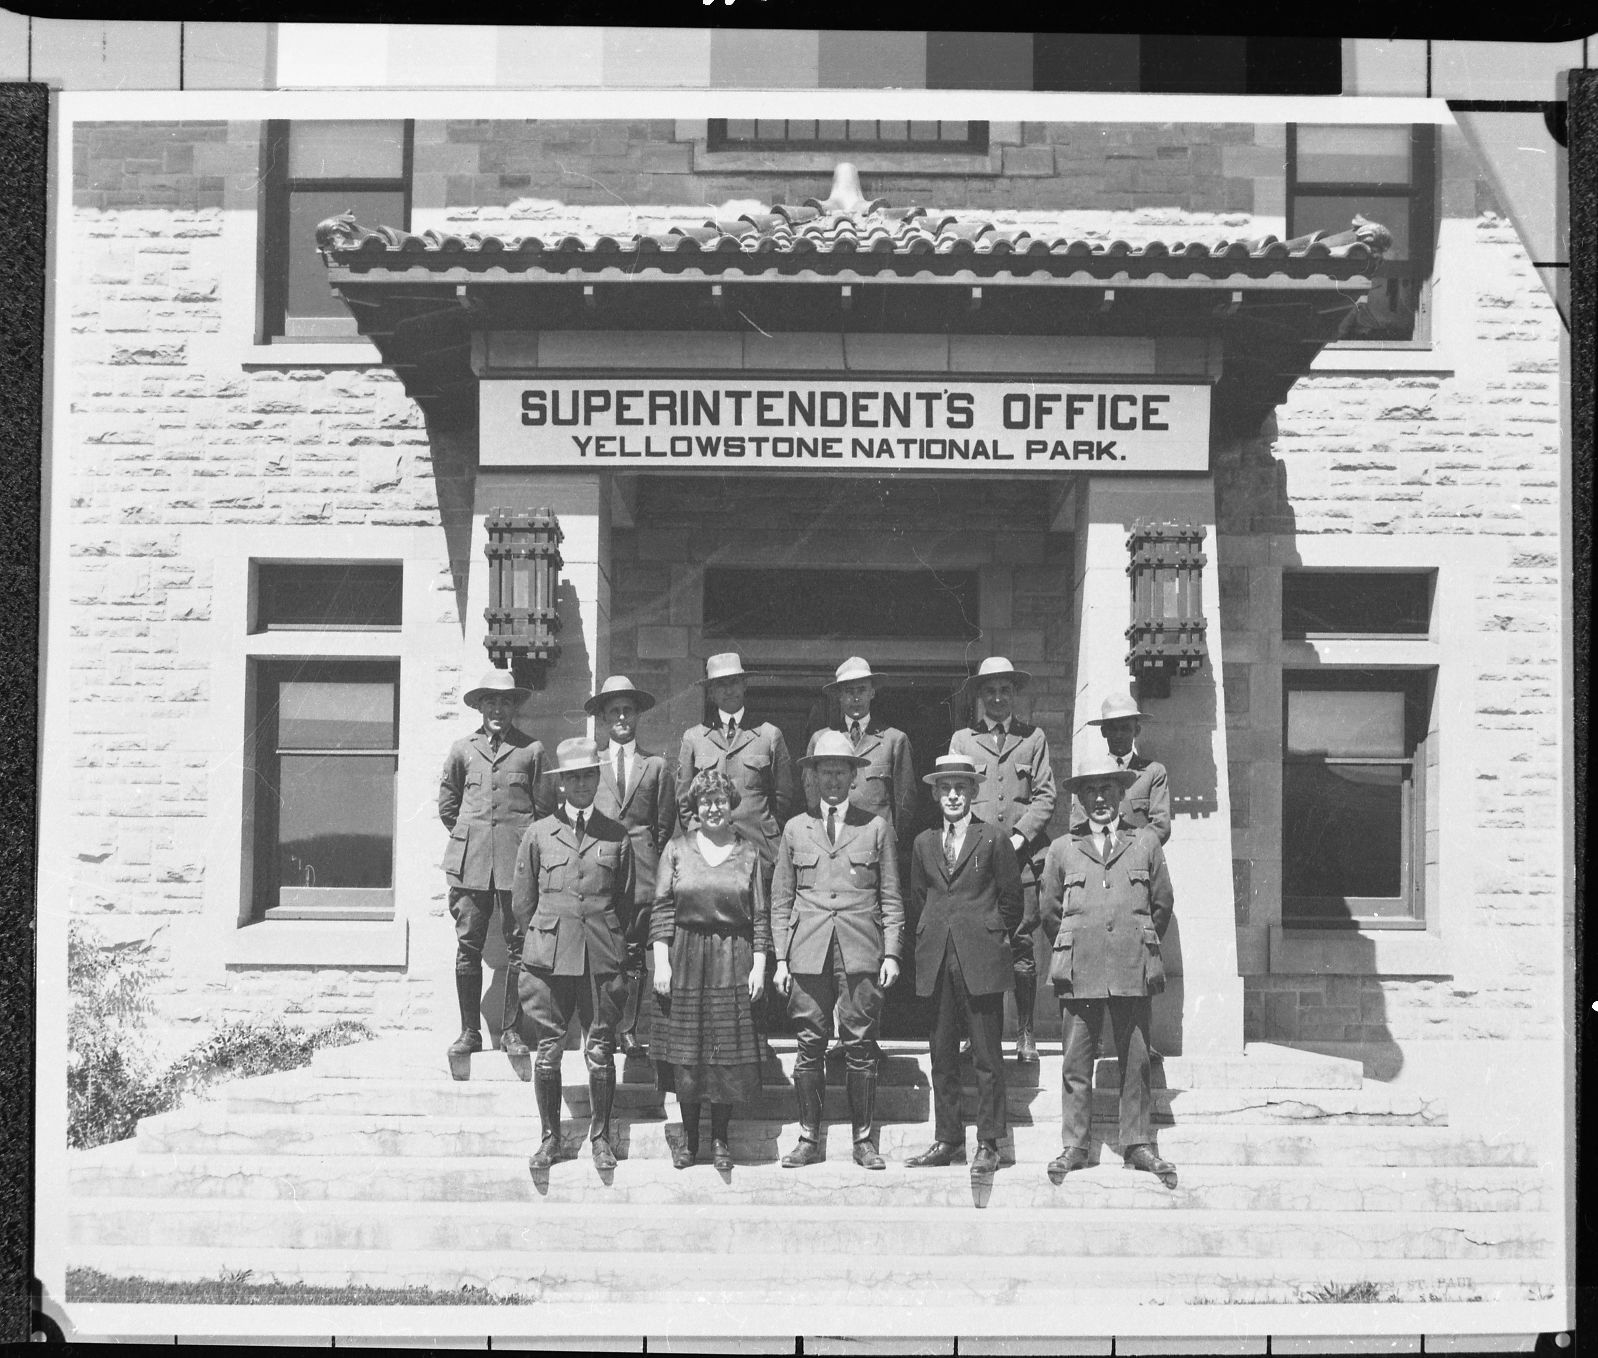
(848, 891)
(1106, 917)
(487, 802)
(1018, 793)
(757, 761)
(649, 810)
(1147, 801)
(977, 907)
(887, 786)
(573, 903)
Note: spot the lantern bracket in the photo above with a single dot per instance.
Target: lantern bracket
(1167, 631)
(523, 613)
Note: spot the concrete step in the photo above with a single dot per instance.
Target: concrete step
(935, 1293)
(505, 1178)
(212, 1129)
(736, 1230)
(296, 1093)
(1259, 1066)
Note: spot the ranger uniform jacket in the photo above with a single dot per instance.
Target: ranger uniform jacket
(487, 800)
(1018, 793)
(887, 786)
(848, 891)
(1147, 801)
(573, 901)
(649, 810)
(976, 906)
(757, 761)
(1106, 918)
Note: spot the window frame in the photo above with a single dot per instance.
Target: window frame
(277, 192)
(1418, 686)
(261, 621)
(975, 143)
(1421, 194)
(1428, 574)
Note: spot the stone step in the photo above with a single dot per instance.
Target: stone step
(934, 1293)
(210, 1129)
(1260, 1065)
(506, 1179)
(295, 1093)
(735, 1230)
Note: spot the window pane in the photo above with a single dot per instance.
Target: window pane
(1348, 154)
(336, 820)
(1346, 723)
(1311, 212)
(862, 129)
(772, 129)
(340, 594)
(933, 131)
(955, 131)
(308, 292)
(1355, 601)
(832, 130)
(740, 129)
(346, 150)
(1343, 829)
(318, 715)
(894, 131)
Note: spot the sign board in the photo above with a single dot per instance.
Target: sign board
(954, 427)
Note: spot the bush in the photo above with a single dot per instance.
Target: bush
(112, 1081)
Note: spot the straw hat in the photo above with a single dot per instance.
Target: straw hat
(851, 671)
(1114, 708)
(575, 755)
(997, 667)
(496, 681)
(1099, 766)
(953, 766)
(726, 665)
(833, 745)
(618, 686)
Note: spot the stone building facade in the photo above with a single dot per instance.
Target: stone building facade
(201, 447)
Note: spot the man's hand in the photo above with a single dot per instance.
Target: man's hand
(1017, 841)
(663, 979)
(757, 979)
(783, 979)
(889, 973)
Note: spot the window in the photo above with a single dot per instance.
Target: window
(748, 603)
(826, 134)
(313, 171)
(1356, 837)
(1357, 603)
(336, 596)
(1384, 174)
(326, 760)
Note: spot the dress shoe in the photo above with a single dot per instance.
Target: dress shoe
(1026, 1047)
(683, 1155)
(510, 1042)
(721, 1155)
(986, 1160)
(807, 1152)
(1146, 1158)
(604, 1157)
(549, 1151)
(937, 1155)
(867, 1156)
(1069, 1160)
(468, 1042)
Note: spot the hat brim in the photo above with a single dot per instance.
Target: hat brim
(472, 695)
(739, 674)
(859, 761)
(595, 704)
(1022, 678)
(931, 779)
(1125, 777)
(1101, 721)
(595, 763)
(833, 685)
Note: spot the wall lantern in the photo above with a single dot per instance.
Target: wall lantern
(1167, 631)
(523, 615)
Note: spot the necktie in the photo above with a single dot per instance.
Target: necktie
(948, 846)
(581, 820)
(493, 745)
(621, 774)
(1106, 854)
(1120, 761)
(732, 728)
(854, 733)
(832, 825)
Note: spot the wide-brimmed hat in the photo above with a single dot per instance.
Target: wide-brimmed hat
(851, 671)
(727, 665)
(833, 745)
(496, 681)
(953, 766)
(1114, 708)
(576, 754)
(1099, 766)
(618, 686)
(997, 667)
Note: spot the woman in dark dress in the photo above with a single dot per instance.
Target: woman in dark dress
(711, 931)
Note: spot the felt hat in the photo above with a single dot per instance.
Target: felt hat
(727, 665)
(496, 681)
(618, 686)
(575, 755)
(1099, 766)
(1114, 708)
(833, 745)
(953, 766)
(851, 671)
(997, 667)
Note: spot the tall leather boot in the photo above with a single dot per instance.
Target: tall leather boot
(1026, 998)
(468, 992)
(602, 1093)
(546, 1091)
(510, 1039)
(808, 1088)
(862, 1113)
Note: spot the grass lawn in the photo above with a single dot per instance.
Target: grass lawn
(236, 1289)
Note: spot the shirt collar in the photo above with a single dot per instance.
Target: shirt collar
(628, 745)
(572, 812)
(958, 826)
(737, 716)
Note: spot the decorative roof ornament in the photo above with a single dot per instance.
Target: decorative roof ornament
(846, 194)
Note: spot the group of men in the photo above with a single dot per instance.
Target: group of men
(572, 874)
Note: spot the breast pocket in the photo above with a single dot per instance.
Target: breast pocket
(757, 774)
(1137, 811)
(554, 873)
(1023, 782)
(608, 856)
(806, 864)
(1060, 963)
(1071, 892)
(865, 869)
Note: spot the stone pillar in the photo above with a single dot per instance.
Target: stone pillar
(1201, 1012)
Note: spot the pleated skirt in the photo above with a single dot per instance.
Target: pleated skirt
(703, 1040)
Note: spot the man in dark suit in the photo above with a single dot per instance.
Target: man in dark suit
(636, 790)
(886, 785)
(837, 923)
(965, 891)
(1107, 902)
(576, 924)
(1148, 799)
(491, 791)
(1017, 795)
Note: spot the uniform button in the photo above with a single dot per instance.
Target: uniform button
(1110, 927)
